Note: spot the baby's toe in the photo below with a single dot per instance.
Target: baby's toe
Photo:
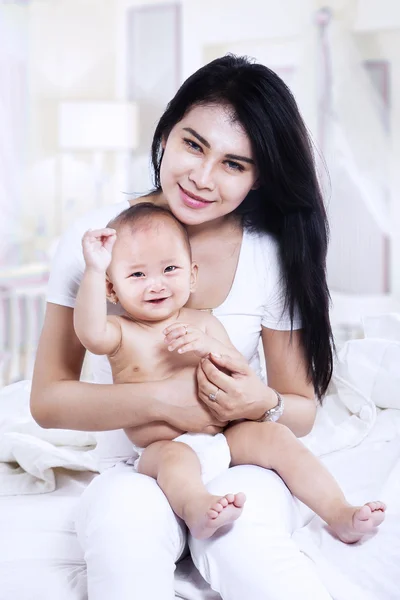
(363, 513)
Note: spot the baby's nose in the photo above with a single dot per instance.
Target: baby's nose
(157, 285)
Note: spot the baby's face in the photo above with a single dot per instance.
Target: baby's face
(151, 270)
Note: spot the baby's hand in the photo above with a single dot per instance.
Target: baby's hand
(186, 338)
(97, 247)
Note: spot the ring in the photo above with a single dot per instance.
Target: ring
(213, 397)
(185, 326)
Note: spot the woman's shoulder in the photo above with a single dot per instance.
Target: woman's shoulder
(67, 264)
(97, 217)
(262, 246)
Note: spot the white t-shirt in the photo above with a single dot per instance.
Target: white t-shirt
(255, 299)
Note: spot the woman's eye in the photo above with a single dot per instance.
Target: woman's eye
(170, 269)
(192, 145)
(137, 274)
(234, 166)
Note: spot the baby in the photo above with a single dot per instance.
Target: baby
(143, 261)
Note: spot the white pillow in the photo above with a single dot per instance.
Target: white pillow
(372, 365)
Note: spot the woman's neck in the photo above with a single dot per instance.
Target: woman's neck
(226, 226)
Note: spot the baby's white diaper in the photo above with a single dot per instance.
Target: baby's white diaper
(212, 451)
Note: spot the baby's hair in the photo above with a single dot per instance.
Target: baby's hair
(147, 212)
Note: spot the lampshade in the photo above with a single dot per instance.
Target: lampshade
(100, 126)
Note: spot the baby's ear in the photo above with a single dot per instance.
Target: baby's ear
(110, 292)
(193, 276)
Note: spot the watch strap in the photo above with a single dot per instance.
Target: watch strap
(274, 413)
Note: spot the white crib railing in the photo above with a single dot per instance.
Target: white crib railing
(21, 318)
(22, 308)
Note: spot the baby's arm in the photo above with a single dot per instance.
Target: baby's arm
(211, 339)
(99, 334)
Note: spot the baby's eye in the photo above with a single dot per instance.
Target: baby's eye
(137, 274)
(170, 269)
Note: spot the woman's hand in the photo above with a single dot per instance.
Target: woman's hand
(178, 405)
(239, 393)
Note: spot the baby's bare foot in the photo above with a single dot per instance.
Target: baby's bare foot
(356, 522)
(208, 513)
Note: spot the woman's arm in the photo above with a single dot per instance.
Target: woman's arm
(287, 373)
(242, 394)
(60, 400)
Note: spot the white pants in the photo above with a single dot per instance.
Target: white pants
(132, 539)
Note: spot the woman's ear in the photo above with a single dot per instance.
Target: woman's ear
(193, 277)
(110, 292)
(256, 184)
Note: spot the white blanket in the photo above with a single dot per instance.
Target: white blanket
(366, 380)
(29, 454)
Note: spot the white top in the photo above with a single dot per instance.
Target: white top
(255, 299)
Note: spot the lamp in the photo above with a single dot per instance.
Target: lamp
(99, 127)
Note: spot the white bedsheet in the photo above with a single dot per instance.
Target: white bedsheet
(40, 557)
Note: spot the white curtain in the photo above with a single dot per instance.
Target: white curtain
(13, 127)
(352, 135)
(356, 148)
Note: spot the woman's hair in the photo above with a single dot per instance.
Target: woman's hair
(288, 202)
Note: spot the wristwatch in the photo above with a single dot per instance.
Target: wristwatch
(274, 413)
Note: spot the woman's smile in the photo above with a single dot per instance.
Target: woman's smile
(193, 200)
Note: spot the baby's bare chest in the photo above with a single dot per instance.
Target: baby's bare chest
(144, 356)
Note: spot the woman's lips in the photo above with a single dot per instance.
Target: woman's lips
(192, 200)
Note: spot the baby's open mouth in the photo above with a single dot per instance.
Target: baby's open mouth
(157, 300)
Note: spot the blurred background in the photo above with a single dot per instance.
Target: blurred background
(83, 82)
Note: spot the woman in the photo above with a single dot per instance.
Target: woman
(233, 162)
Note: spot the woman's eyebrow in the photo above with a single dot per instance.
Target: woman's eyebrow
(198, 136)
(205, 143)
(242, 158)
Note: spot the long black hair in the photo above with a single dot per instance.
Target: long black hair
(288, 202)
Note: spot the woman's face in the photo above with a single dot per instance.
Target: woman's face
(208, 165)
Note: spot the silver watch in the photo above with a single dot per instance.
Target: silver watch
(274, 413)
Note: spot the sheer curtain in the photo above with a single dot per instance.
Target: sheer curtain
(13, 128)
(356, 146)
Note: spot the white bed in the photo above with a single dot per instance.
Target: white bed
(40, 557)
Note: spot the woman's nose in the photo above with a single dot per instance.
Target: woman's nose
(202, 176)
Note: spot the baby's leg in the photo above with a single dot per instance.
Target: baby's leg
(274, 446)
(177, 470)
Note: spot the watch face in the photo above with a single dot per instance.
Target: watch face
(275, 416)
